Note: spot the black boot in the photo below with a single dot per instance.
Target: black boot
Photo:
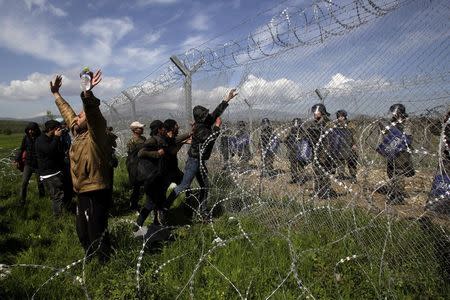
(170, 199)
(142, 216)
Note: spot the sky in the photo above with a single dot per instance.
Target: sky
(129, 40)
(126, 39)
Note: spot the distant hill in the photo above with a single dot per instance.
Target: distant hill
(8, 126)
(11, 125)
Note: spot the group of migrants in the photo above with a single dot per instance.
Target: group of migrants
(76, 157)
(152, 162)
(83, 166)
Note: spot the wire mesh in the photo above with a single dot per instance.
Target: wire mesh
(378, 174)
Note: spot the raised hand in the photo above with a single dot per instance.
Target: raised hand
(96, 78)
(231, 94)
(58, 132)
(54, 86)
(218, 122)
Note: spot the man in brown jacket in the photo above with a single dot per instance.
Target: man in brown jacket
(90, 169)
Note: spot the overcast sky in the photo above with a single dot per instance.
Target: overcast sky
(128, 40)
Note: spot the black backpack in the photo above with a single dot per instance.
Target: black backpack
(148, 169)
(132, 162)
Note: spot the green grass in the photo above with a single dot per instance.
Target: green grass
(9, 142)
(394, 258)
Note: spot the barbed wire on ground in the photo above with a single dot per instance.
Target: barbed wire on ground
(257, 171)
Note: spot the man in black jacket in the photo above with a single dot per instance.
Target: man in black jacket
(50, 156)
(316, 131)
(149, 171)
(166, 151)
(27, 150)
(203, 138)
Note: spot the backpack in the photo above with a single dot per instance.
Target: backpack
(441, 186)
(148, 169)
(132, 164)
(339, 142)
(303, 150)
(394, 142)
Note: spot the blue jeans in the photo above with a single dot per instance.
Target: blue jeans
(192, 170)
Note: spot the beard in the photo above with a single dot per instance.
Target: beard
(80, 128)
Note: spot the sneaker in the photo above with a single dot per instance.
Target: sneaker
(178, 200)
(140, 232)
(170, 189)
(173, 200)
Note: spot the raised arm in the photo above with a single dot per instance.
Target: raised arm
(95, 120)
(94, 117)
(223, 105)
(64, 108)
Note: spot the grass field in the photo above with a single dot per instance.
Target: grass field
(9, 142)
(326, 253)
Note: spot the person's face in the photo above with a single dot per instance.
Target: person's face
(138, 131)
(80, 120)
(52, 132)
(162, 131)
(176, 129)
(317, 115)
(341, 119)
(30, 132)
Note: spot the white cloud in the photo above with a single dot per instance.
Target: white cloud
(193, 42)
(340, 81)
(260, 90)
(139, 58)
(16, 35)
(43, 6)
(107, 30)
(106, 33)
(340, 84)
(99, 47)
(36, 87)
(200, 22)
(263, 93)
(151, 38)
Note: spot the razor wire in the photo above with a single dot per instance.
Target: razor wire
(292, 27)
(262, 171)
